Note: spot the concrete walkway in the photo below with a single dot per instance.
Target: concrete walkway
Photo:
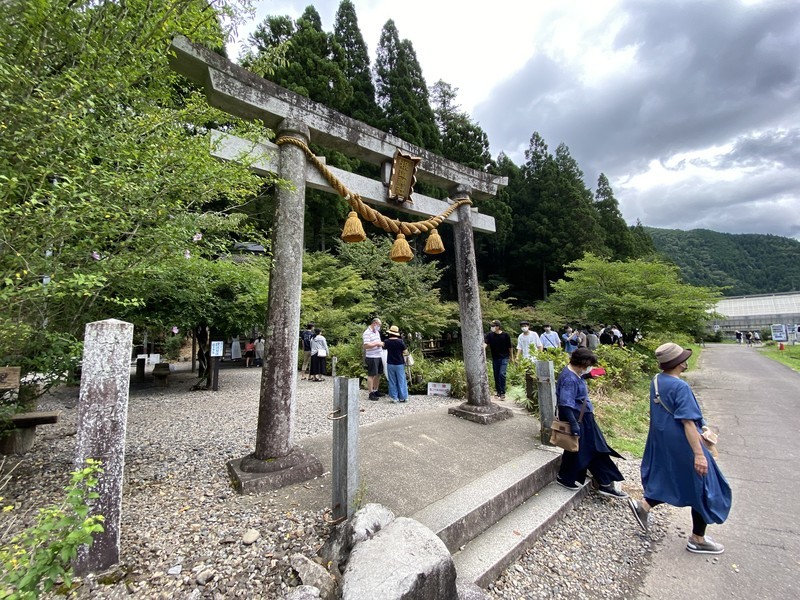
(754, 402)
(411, 461)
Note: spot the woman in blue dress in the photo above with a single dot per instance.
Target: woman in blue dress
(594, 454)
(677, 468)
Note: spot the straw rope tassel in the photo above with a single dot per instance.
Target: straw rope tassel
(353, 231)
(434, 244)
(401, 251)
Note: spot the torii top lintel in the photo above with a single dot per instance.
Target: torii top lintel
(239, 92)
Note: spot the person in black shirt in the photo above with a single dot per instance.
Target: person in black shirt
(500, 344)
(305, 339)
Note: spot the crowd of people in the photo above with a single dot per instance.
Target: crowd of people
(503, 350)
(750, 338)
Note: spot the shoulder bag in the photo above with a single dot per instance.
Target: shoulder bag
(708, 437)
(561, 432)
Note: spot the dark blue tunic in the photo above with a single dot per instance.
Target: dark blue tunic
(668, 465)
(594, 453)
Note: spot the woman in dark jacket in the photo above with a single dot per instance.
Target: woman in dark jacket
(594, 454)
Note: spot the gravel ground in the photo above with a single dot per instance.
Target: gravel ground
(187, 534)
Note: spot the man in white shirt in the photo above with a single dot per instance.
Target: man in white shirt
(373, 352)
(550, 339)
(526, 340)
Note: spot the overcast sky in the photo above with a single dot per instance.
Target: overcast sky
(690, 108)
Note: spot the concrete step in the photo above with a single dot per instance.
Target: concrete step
(462, 515)
(483, 559)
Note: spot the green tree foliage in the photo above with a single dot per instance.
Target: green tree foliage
(637, 294)
(335, 296)
(555, 220)
(463, 140)
(741, 264)
(362, 104)
(402, 294)
(616, 234)
(104, 162)
(315, 63)
(402, 93)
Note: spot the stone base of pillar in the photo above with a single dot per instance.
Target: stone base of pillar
(251, 475)
(485, 414)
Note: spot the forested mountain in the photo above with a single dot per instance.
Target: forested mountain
(742, 263)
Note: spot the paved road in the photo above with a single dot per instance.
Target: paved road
(754, 402)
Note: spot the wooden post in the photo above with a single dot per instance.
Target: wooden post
(102, 422)
(344, 470)
(547, 397)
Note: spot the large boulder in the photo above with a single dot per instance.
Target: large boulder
(404, 560)
(365, 523)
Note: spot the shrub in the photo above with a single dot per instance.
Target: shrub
(34, 560)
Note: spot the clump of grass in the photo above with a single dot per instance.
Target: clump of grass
(624, 418)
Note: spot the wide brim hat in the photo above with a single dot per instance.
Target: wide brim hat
(670, 355)
(393, 330)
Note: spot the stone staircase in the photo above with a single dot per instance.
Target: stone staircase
(491, 521)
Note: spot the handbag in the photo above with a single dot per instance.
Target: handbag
(561, 432)
(322, 353)
(708, 437)
(409, 360)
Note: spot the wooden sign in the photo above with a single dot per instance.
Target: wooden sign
(9, 378)
(401, 183)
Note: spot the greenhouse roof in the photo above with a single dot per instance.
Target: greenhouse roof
(766, 304)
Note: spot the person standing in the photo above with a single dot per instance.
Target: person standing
(592, 341)
(571, 340)
(319, 353)
(236, 349)
(499, 342)
(677, 468)
(594, 454)
(373, 354)
(249, 352)
(549, 338)
(396, 365)
(305, 340)
(260, 351)
(526, 340)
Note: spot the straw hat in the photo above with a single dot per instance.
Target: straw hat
(670, 355)
(393, 330)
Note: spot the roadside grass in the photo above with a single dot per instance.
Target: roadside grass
(624, 416)
(789, 356)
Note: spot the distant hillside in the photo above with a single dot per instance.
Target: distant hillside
(744, 263)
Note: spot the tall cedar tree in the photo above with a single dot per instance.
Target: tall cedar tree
(554, 219)
(402, 92)
(617, 235)
(464, 142)
(362, 104)
(315, 67)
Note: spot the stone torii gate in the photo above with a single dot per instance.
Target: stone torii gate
(276, 461)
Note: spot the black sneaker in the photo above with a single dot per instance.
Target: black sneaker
(609, 491)
(372, 396)
(570, 486)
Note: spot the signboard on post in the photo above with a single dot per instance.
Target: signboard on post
(9, 378)
(216, 349)
(438, 389)
(779, 333)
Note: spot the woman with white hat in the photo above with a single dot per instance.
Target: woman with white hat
(677, 468)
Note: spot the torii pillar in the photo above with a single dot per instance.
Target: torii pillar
(478, 406)
(277, 462)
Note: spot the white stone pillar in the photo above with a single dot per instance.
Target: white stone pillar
(102, 422)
